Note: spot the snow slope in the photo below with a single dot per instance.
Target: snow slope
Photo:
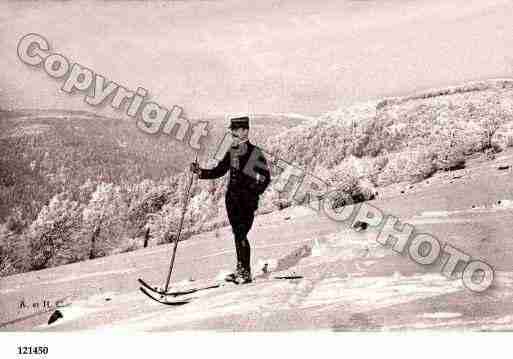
(350, 281)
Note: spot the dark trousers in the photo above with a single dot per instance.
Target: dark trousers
(241, 213)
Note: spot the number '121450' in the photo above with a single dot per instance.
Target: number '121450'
(37, 350)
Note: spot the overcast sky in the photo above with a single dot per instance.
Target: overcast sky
(218, 57)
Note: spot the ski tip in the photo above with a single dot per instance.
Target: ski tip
(141, 281)
(163, 301)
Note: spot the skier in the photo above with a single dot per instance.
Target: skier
(249, 178)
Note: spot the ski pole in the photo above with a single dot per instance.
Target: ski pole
(184, 209)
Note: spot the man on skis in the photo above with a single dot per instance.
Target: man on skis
(249, 178)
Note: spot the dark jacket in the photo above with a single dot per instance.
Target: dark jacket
(249, 175)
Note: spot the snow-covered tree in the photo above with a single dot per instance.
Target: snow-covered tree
(409, 165)
(490, 124)
(54, 235)
(8, 254)
(104, 218)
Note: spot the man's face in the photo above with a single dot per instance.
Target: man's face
(239, 134)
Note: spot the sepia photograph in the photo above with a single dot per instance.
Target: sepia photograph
(254, 167)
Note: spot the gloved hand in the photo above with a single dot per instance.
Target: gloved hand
(195, 168)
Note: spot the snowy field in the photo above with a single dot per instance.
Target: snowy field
(350, 281)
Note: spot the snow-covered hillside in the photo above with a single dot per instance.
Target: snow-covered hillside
(350, 281)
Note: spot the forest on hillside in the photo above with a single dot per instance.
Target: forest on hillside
(80, 187)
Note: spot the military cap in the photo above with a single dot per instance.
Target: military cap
(239, 122)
